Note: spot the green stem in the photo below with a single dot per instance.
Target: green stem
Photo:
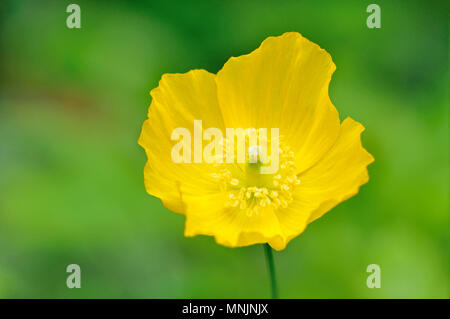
(271, 266)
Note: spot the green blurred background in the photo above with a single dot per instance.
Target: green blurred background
(72, 102)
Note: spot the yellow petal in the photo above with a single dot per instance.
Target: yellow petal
(339, 175)
(293, 221)
(232, 227)
(335, 178)
(283, 84)
(177, 102)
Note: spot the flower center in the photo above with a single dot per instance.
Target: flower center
(250, 190)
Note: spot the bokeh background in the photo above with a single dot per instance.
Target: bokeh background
(72, 102)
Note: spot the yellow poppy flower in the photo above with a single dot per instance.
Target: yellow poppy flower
(282, 84)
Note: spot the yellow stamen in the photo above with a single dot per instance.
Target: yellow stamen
(252, 190)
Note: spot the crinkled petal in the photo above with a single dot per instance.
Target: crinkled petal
(283, 84)
(335, 178)
(177, 102)
(231, 226)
